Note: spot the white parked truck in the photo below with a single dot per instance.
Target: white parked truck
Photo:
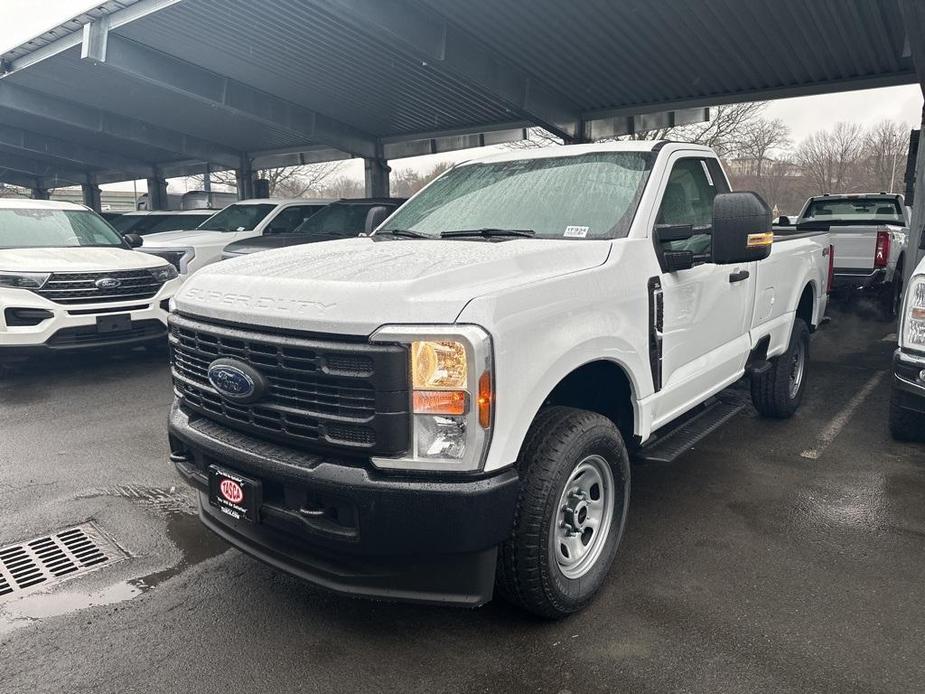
(907, 405)
(190, 250)
(452, 403)
(869, 233)
(69, 281)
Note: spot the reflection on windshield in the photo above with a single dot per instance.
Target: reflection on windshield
(237, 218)
(44, 228)
(584, 196)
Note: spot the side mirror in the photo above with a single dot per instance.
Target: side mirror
(374, 218)
(783, 221)
(741, 228)
(133, 240)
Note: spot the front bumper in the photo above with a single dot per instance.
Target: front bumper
(73, 327)
(908, 384)
(346, 527)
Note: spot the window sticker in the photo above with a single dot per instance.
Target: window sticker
(706, 172)
(575, 232)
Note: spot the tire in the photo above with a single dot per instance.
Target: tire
(892, 297)
(905, 425)
(565, 449)
(778, 391)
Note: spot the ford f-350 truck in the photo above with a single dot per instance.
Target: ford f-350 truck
(451, 404)
(869, 233)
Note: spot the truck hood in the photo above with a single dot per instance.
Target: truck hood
(86, 259)
(354, 286)
(266, 243)
(184, 239)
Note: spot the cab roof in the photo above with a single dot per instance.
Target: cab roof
(576, 150)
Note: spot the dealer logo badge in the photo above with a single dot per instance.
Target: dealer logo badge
(231, 491)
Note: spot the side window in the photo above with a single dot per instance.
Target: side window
(291, 217)
(688, 200)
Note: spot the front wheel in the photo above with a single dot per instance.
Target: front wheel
(778, 391)
(571, 512)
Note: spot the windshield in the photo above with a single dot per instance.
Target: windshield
(854, 210)
(336, 221)
(45, 228)
(586, 196)
(237, 218)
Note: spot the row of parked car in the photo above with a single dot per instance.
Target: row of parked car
(87, 286)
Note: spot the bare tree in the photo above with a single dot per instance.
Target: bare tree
(407, 182)
(722, 132)
(885, 147)
(286, 182)
(830, 158)
(758, 138)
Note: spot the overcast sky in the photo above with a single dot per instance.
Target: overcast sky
(20, 20)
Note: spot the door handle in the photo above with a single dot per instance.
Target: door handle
(739, 276)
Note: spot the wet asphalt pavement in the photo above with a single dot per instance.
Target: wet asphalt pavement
(776, 556)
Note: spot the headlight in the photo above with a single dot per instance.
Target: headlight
(912, 332)
(179, 258)
(452, 397)
(24, 280)
(164, 273)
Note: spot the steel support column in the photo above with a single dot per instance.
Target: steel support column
(244, 177)
(914, 16)
(157, 193)
(377, 177)
(92, 195)
(39, 193)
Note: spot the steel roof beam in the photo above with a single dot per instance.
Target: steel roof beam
(99, 122)
(27, 142)
(232, 97)
(444, 48)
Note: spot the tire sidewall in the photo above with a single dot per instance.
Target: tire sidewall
(572, 593)
(800, 334)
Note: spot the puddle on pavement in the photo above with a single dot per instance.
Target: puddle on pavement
(183, 529)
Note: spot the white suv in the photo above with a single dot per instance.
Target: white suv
(69, 281)
(190, 250)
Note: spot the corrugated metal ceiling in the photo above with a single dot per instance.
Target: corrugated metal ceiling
(592, 58)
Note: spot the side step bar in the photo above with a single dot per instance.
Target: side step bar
(675, 441)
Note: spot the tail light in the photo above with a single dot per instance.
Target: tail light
(882, 254)
(831, 278)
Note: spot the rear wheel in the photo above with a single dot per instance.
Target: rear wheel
(571, 513)
(892, 298)
(778, 391)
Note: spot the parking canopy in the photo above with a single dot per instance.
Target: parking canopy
(155, 88)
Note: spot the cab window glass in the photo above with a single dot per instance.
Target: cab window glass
(688, 199)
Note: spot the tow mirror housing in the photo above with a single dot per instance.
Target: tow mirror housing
(375, 217)
(783, 221)
(741, 228)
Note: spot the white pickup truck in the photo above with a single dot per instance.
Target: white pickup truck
(69, 281)
(907, 404)
(869, 233)
(195, 248)
(453, 402)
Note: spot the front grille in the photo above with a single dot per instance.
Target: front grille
(81, 287)
(89, 335)
(320, 393)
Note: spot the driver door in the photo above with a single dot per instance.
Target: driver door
(706, 307)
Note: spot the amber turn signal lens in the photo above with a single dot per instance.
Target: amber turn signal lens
(449, 402)
(758, 240)
(485, 400)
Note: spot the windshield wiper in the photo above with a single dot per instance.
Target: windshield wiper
(487, 233)
(404, 233)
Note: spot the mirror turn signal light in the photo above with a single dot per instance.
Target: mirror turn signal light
(760, 240)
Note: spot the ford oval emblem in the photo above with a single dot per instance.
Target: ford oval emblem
(235, 380)
(108, 283)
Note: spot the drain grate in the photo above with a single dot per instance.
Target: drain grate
(51, 558)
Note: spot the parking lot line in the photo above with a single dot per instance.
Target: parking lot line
(838, 422)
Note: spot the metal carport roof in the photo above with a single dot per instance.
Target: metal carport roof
(136, 89)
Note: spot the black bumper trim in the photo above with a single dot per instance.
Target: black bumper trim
(465, 580)
(372, 514)
(908, 390)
